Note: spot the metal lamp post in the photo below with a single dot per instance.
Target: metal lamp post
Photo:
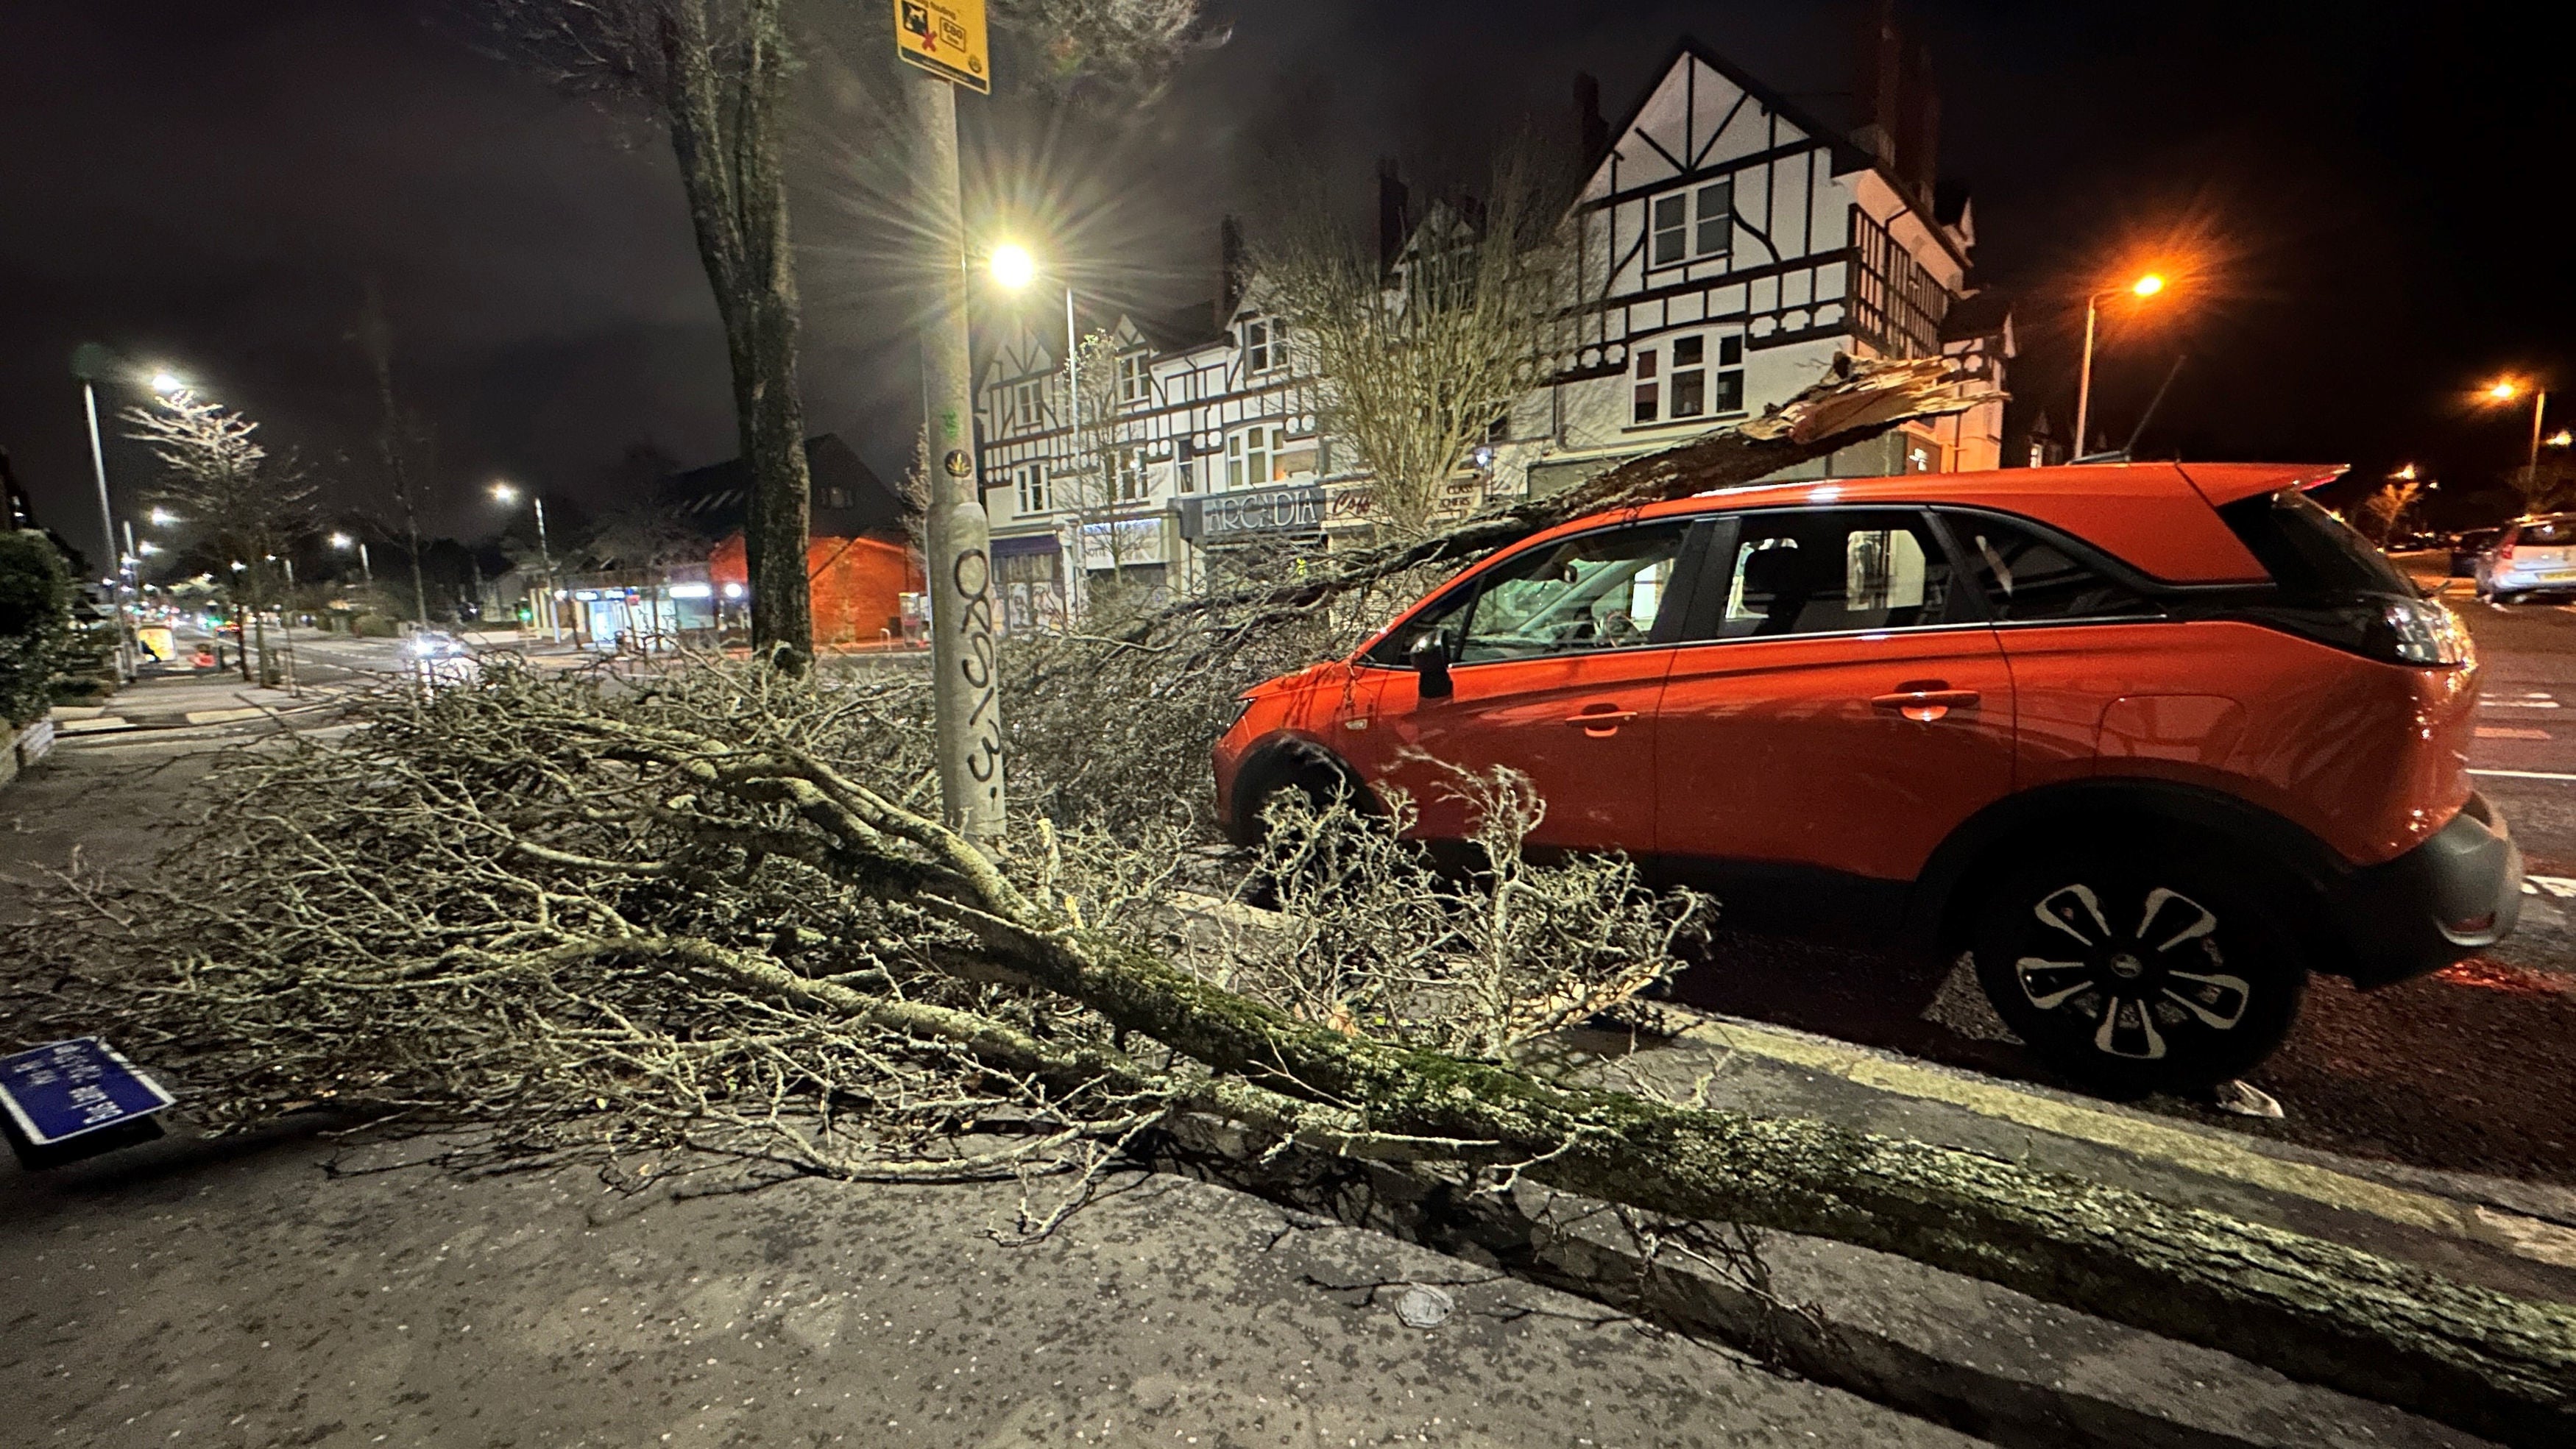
(545, 555)
(344, 543)
(2146, 286)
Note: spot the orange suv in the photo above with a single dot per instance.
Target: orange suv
(2152, 742)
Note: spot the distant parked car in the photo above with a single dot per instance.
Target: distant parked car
(2531, 555)
(2466, 548)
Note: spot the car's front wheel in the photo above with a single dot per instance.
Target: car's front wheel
(2142, 970)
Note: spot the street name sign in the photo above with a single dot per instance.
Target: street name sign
(945, 38)
(69, 1089)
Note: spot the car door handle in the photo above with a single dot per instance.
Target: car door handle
(1923, 706)
(1601, 719)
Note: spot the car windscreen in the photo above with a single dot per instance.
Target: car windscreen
(2309, 551)
(2545, 533)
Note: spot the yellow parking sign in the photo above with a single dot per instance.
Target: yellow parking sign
(945, 38)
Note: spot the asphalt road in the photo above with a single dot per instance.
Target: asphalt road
(2472, 1070)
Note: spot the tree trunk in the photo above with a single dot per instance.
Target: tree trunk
(725, 117)
(2311, 1309)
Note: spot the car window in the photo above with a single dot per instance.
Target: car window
(2309, 551)
(2546, 533)
(1594, 591)
(2027, 577)
(1834, 572)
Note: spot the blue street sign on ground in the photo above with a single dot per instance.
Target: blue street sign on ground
(67, 1088)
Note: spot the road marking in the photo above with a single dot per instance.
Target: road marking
(2557, 885)
(2525, 774)
(2520, 704)
(2200, 1151)
(2499, 732)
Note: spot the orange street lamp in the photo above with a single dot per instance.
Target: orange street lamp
(2505, 390)
(2143, 288)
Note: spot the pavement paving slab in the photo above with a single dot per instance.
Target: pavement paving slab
(286, 1291)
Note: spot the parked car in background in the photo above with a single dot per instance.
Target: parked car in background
(2152, 742)
(2467, 547)
(2530, 555)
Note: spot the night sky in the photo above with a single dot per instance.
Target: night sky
(2358, 204)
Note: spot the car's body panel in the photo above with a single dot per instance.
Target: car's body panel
(1582, 727)
(2371, 758)
(1793, 750)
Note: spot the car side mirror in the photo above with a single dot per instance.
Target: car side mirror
(1429, 657)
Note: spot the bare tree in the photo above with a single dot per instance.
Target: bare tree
(226, 489)
(402, 439)
(1417, 362)
(1106, 478)
(2380, 514)
(1125, 48)
(715, 74)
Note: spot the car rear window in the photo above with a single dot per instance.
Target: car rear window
(2546, 533)
(2310, 551)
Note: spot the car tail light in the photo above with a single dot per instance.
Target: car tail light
(2392, 630)
(2420, 631)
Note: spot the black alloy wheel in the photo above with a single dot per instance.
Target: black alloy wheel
(2159, 971)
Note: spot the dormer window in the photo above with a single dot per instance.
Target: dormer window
(1689, 225)
(1260, 347)
(1028, 401)
(1135, 379)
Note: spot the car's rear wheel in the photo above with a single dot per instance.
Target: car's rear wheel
(2140, 970)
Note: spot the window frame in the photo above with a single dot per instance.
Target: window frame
(1964, 608)
(2162, 595)
(1135, 379)
(1262, 357)
(1031, 489)
(1688, 195)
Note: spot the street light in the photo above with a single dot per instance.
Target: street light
(168, 383)
(163, 518)
(2144, 287)
(545, 553)
(1014, 269)
(344, 543)
(2505, 390)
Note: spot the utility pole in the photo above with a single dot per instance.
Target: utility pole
(965, 698)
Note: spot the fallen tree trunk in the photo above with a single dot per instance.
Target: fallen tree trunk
(2310, 1309)
(1856, 401)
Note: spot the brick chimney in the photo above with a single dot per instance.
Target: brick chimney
(1592, 132)
(1229, 270)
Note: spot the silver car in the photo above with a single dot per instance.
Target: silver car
(2531, 555)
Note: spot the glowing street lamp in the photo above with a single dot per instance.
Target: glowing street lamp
(2505, 390)
(163, 518)
(168, 383)
(344, 543)
(2560, 439)
(545, 553)
(1014, 269)
(2144, 287)
(2405, 474)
